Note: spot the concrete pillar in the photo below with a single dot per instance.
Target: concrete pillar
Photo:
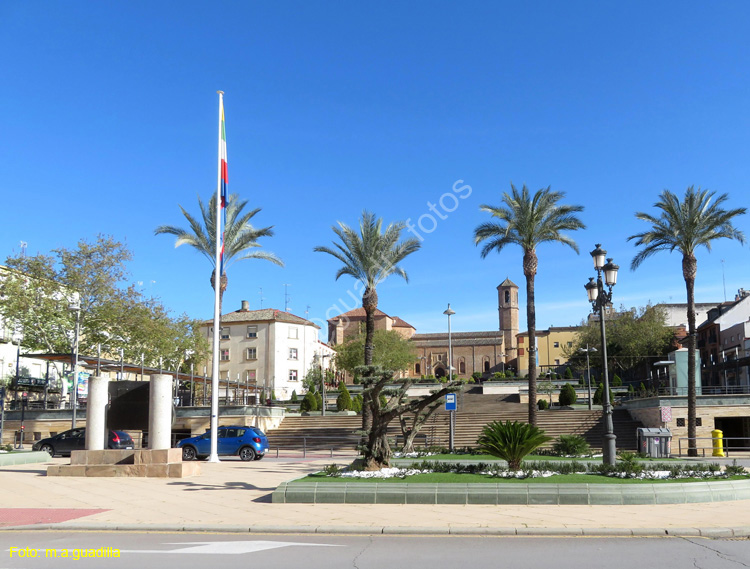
(160, 412)
(96, 413)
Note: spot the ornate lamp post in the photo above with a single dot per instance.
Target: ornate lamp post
(600, 298)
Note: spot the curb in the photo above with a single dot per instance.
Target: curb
(25, 457)
(713, 533)
(499, 494)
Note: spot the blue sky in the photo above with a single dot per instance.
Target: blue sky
(110, 121)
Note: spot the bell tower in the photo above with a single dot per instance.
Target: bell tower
(507, 305)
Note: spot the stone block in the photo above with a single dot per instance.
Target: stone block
(68, 470)
(101, 470)
(158, 456)
(512, 494)
(573, 494)
(394, 493)
(543, 494)
(481, 494)
(157, 470)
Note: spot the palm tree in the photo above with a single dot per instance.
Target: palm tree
(370, 256)
(684, 226)
(240, 237)
(527, 221)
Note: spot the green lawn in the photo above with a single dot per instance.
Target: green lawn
(528, 458)
(452, 478)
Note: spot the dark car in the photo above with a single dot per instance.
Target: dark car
(249, 443)
(75, 439)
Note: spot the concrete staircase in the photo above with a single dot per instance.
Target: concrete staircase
(474, 412)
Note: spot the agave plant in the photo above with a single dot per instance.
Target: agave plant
(511, 441)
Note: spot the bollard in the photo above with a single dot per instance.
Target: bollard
(718, 442)
(97, 437)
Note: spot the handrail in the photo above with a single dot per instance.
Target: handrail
(725, 447)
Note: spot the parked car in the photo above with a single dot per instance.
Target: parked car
(75, 439)
(249, 443)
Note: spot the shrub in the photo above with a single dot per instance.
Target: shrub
(344, 400)
(498, 375)
(332, 470)
(511, 441)
(319, 401)
(568, 373)
(542, 404)
(294, 398)
(616, 381)
(735, 469)
(357, 403)
(568, 395)
(599, 395)
(477, 375)
(571, 445)
(631, 389)
(309, 402)
(642, 388)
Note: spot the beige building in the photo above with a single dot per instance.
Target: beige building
(551, 344)
(267, 349)
(350, 324)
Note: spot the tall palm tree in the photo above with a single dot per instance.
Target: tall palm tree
(527, 221)
(240, 237)
(685, 226)
(370, 255)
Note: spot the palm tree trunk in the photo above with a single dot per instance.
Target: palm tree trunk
(530, 262)
(370, 304)
(689, 270)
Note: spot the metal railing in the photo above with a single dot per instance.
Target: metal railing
(710, 445)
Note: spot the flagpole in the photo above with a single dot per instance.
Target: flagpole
(214, 456)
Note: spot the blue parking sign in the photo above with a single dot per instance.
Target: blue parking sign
(450, 402)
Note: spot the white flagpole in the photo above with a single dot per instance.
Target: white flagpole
(214, 456)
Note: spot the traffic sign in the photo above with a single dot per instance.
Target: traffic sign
(450, 402)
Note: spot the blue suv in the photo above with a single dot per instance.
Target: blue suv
(249, 443)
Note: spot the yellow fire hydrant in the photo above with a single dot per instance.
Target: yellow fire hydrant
(718, 440)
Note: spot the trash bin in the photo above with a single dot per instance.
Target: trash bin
(654, 442)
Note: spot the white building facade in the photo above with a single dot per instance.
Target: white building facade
(266, 350)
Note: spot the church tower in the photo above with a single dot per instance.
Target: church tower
(507, 304)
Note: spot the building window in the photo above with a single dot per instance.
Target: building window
(486, 366)
(252, 331)
(698, 422)
(293, 332)
(225, 355)
(250, 376)
(521, 351)
(252, 353)
(417, 368)
(507, 296)
(557, 344)
(225, 333)
(292, 353)
(557, 362)
(461, 366)
(520, 339)
(570, 344)
(292, 375)
(681, 421)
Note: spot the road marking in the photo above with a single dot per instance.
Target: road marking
(226, 547)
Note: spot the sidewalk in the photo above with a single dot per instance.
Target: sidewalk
(234, 496)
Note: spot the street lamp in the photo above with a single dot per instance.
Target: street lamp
(448, 312)
(588, 369)
(599, 299)
(18, 338)
(75, 306)
(323, 379)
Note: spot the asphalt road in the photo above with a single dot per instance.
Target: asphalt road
(34, 550)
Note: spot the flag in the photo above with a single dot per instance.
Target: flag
(223, 179)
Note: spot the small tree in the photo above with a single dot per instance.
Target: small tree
(357, 403)
(568, 373)
(477, 375)
(309, 402)
(294, 398)
(318, 401)
(616, 381)
(599, 395)
(344, 400)
(511, 441)
(568, 395)
(542, 404)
